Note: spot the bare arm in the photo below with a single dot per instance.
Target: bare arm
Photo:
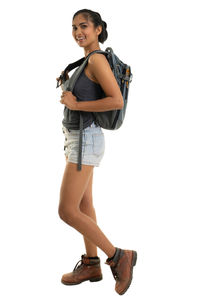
(103, 104)
(102, 72)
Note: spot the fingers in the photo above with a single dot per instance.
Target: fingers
(65, 92)
(67, 76)
(61, 74)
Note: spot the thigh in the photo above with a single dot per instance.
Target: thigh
(74, 184)
(87, 198)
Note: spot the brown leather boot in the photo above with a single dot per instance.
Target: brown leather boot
(122, 267)
(89, 269)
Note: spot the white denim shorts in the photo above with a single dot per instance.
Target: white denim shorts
(93, 145)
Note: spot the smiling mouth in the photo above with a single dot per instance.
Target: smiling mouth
(80, 39)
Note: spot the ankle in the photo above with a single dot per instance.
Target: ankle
(91, 256)
(111, 257)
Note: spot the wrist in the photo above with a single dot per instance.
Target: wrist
(76, 105)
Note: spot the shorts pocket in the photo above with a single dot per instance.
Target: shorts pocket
(98, 143)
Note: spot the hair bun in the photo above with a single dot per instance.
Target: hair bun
(105, 24)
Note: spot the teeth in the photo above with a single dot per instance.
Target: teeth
(82, 38)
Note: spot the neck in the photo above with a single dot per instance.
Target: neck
(91, 49)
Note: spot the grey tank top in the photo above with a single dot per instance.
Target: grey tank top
(85, 90)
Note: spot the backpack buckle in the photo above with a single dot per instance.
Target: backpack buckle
(59, 79)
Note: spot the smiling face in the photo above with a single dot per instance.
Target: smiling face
(84, 32)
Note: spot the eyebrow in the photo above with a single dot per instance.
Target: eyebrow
(80, 24)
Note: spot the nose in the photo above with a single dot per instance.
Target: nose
(78, 31)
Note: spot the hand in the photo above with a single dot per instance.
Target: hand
(66, 77)
(69, 100)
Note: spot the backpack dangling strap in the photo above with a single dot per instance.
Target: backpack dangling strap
(80, 143)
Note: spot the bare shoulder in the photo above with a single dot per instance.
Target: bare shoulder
(98, 59)
(98, 63)
(101, 71)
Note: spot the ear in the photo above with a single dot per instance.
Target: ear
(99, 29)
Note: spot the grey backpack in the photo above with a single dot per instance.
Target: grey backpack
(112, 119)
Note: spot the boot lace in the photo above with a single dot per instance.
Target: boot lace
(78, 266)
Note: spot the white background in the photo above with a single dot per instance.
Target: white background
(146, 191)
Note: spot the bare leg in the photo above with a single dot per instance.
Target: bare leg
(72, 190)
(86, 206)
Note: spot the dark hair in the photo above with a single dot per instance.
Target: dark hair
(96, 20)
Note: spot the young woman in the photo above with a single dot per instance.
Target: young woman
(76, 206)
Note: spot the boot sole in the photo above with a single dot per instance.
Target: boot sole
(133, 263)
(90, 279)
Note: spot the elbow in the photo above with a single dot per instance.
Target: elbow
(120, 103)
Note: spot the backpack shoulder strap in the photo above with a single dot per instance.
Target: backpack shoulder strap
(74, 64)
(80, 62)
(70, 67)
(78, 71)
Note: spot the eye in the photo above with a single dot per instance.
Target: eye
(82, 26)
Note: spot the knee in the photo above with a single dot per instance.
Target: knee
(86, 205)
(67, 215)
